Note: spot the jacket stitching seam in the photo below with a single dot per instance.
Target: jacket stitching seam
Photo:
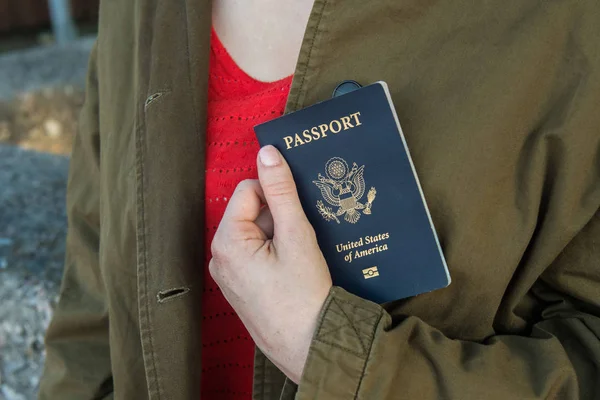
(344, 349)
(362, 345)
(371, 340)
(374, 313)
(321, 335)
(343, 315)
(189, 62)
(143, 253)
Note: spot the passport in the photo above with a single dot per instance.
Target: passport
(360, 191)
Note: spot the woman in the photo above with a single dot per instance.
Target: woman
(498, 103)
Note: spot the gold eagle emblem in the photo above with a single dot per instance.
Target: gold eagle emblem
(343, 187)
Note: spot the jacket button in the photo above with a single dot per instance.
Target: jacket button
(345, 87)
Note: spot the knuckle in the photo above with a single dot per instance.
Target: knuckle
(246, 184)
(280, 189)
(212, 269)
(219, 262)
(218, 249)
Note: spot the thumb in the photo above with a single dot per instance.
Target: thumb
(279, 189)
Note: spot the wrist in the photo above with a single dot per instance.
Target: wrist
(300, 339)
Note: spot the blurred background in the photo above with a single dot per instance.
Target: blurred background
(44, 46)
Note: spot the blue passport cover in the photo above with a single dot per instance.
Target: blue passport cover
(359, 189)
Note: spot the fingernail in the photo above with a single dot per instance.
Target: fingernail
(269, 156)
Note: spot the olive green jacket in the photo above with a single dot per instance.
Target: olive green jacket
(500, 104)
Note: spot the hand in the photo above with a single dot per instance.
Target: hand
(268, 265)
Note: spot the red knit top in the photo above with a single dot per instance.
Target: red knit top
(236, 103)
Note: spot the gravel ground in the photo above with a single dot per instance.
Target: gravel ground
(40, 96)
(44, 120)
(32, 241)
(47, 66)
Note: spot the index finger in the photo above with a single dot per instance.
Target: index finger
(245, 202)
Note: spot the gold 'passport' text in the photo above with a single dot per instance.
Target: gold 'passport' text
(321, 131)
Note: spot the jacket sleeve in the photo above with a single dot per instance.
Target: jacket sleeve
(357, 353)
(77, 348)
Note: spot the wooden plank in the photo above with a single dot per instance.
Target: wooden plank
(33, 14)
